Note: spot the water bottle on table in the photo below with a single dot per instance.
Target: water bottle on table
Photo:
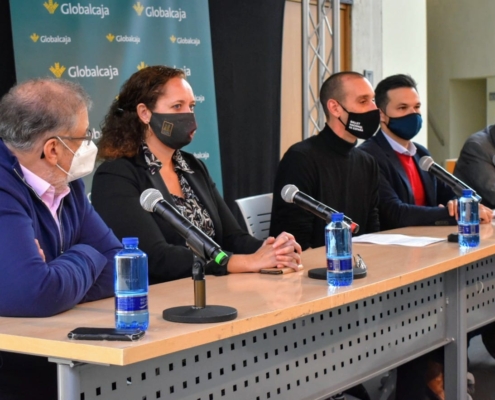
(131, 286)
(338, 240)
(469, 220)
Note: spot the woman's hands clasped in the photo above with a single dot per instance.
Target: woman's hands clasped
(282, 251)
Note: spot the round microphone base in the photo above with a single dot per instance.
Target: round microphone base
(321, 273)
(192, 315)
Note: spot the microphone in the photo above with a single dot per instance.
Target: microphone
(427, 164)
(200, 243)
(291, 194)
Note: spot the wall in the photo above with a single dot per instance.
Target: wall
(490, 105)
(367, 46)
(467, 110)
(404, 47)
(291, 102)
(460, 48)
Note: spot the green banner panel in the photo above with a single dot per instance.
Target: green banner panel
(100, 44)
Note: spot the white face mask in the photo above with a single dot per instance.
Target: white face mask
(83, 162)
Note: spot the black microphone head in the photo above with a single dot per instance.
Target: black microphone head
(149, 198)
(288, 193)
(425, 163)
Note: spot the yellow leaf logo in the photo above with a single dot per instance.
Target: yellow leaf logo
(173, 39)
(110, 37)
(141, 66)
(138, 7)
(50, 6)
(57, 70)
(34, 37)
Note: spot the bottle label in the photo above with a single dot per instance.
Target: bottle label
(339, 264)
(131, 303)
(469, 229)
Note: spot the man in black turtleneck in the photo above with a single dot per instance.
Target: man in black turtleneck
(329, 167)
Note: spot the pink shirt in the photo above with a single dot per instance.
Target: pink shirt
(46, 192)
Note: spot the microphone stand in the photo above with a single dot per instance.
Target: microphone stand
(358, 271)
(199, 313)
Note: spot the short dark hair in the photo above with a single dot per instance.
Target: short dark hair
(333, 88)
(390, 83)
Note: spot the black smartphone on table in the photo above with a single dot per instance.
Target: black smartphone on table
(105, 334)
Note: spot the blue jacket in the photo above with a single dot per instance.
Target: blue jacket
(79, 258)
(397, 207)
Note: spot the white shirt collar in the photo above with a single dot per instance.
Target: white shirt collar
(409, 151)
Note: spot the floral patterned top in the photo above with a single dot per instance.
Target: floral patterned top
(189, 206)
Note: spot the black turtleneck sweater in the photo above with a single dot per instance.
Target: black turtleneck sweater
(333, 172)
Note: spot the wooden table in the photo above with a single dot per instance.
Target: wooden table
(294, 337)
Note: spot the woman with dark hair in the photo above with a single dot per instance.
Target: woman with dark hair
(143, 132)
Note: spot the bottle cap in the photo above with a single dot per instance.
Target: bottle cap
(130, 241)
(337, 217)
(467, 193)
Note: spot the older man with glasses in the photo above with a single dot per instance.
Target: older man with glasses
(56, 251)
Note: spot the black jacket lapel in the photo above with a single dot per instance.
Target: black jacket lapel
(397, 165)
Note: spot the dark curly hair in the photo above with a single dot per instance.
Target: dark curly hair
(122, 130)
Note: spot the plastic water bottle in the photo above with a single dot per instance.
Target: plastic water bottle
(131, 286)
(338, 242)
(469, 220)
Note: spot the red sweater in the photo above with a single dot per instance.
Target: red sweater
(414, 178)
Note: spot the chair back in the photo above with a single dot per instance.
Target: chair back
(257, 213)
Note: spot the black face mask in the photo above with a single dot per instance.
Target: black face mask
(362, 125)
(173, 130)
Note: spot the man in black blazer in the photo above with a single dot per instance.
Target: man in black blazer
(476, 166)
(409, 196)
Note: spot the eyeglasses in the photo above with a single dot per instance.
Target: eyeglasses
(88, 137)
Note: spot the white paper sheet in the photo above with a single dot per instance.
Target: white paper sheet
(401, 240)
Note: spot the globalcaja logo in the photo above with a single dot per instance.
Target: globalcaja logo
(50, 39)
(76, 71)
(153, 12)
(138, 7)
(96, 134)
(180, 40)
(57, 70)
(186, 70)
(123, 38)
(50, 6)
(77, 9)
(141, 66)
(199, 98)
(95, 72)
(202, 155)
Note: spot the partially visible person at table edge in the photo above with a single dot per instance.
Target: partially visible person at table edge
(142, 137)
(56, 251)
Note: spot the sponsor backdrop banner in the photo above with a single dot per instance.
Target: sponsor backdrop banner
(100, 44)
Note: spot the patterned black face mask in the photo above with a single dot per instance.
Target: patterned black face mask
(362, 125)
(173, 130)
